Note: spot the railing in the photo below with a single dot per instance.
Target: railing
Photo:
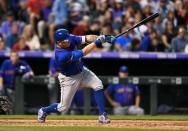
(98, 55)
(144, 80)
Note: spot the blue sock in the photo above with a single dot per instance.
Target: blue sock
(51, 109)
(99, 98)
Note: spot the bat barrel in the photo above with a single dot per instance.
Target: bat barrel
(149, 18)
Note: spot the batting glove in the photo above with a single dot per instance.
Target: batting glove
(100, 39)
(109, 38)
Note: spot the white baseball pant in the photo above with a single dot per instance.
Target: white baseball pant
(70, 84)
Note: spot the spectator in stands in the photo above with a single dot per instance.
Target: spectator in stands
(135, 4)
(34, 11)
(9, 69)
(2, 43)
(155, 43)
(14, 4)
(180, 13)
(147, 11)
(97, 8)
(46, 20)
(151, 3)
(82, 27)
(139, 32)
(23, 14)
(179, 42)
(170, 18)
(163, 7)
(20, 45)
(101, 7)
(146, 39)
(122, 42)
(135, 45)
(94, 28)
(4, 8)
(157, 25)
(60, 14)
(13, 37)
(107, 17)
(31, 38)
(6, 25)
(168, 35)
(117, 10)
(47, 15)
(76, 12)
(125, 99)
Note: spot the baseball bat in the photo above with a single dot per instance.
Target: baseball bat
(149, 18)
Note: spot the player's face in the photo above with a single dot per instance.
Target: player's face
(14, 58)
(64, 44)
(123, 74)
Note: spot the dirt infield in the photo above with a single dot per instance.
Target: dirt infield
(93, 123)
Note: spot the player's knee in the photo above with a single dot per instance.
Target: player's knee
(62, 108)
(98, 85)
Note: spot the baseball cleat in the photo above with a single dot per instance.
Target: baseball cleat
(103, 119)
(41, 116)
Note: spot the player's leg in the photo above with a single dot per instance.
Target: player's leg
(69, 86)
(92, 81)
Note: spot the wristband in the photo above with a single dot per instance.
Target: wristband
(98, 43)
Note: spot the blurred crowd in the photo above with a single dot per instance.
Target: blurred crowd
(30, 24)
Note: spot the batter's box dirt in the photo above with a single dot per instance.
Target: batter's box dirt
(93, 123)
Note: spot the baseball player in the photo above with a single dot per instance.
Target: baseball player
(73, 74)
(9, 69)
(125, 99)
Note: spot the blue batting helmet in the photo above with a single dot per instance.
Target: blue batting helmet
(61, 34)
(123, 69)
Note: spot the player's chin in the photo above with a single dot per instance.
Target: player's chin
(66, 45)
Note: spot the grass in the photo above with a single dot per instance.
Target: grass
(84, 117)
(18, 128)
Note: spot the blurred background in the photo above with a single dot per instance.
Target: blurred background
(156, 51)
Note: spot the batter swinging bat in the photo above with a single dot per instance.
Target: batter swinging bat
(149, 18)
